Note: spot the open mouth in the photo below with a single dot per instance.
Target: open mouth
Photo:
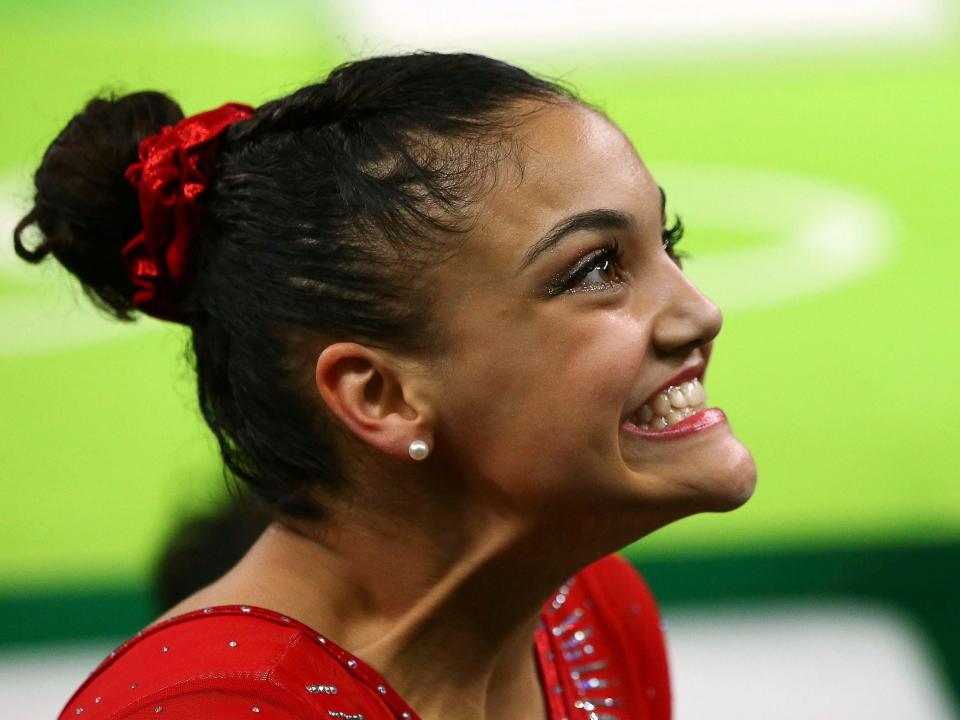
(672, 405)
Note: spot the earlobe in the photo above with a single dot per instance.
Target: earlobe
(365, 393)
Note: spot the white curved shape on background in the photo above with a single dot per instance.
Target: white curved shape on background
(821, 236)
(646, 28)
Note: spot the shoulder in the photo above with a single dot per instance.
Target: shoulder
(228, 661)
(617, 583)
(627, 615)
(622, 599)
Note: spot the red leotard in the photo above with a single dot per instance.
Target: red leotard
(599, 646)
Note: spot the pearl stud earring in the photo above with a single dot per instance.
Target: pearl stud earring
(419, 449)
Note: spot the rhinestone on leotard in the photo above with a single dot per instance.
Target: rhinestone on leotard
(322, 689)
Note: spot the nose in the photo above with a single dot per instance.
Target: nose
(687, 319)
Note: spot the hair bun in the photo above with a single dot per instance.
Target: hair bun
(84, 206)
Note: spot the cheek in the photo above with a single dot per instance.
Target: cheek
(597, 372)
(542, 400)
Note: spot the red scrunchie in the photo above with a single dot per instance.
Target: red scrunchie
(172, 173)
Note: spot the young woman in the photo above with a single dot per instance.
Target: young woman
(439, 325)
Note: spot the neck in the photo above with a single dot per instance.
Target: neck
(444, 611)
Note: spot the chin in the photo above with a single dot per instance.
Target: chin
(719, 488)
(734, 486)
(720, 478)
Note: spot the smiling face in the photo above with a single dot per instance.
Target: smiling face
(552, 353)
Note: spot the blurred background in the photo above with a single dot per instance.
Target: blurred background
(812, 150)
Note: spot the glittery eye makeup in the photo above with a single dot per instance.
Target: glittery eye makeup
(605, 259)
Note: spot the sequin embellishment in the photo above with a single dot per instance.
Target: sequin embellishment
(322, 689)
(573, 642)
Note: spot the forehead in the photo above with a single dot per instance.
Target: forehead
(569, 159)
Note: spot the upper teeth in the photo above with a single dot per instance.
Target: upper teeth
(672, 405)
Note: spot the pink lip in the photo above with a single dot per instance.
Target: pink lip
(702, 420)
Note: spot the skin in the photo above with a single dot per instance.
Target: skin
(435, 572)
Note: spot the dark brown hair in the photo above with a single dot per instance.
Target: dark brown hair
(324, 209)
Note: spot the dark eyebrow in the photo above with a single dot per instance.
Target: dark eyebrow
(598, 219)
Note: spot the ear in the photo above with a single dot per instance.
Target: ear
(371, 396)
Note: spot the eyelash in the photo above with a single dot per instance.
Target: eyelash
(670, 237)
(612, 251)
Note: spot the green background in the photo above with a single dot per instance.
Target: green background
(847, 396)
